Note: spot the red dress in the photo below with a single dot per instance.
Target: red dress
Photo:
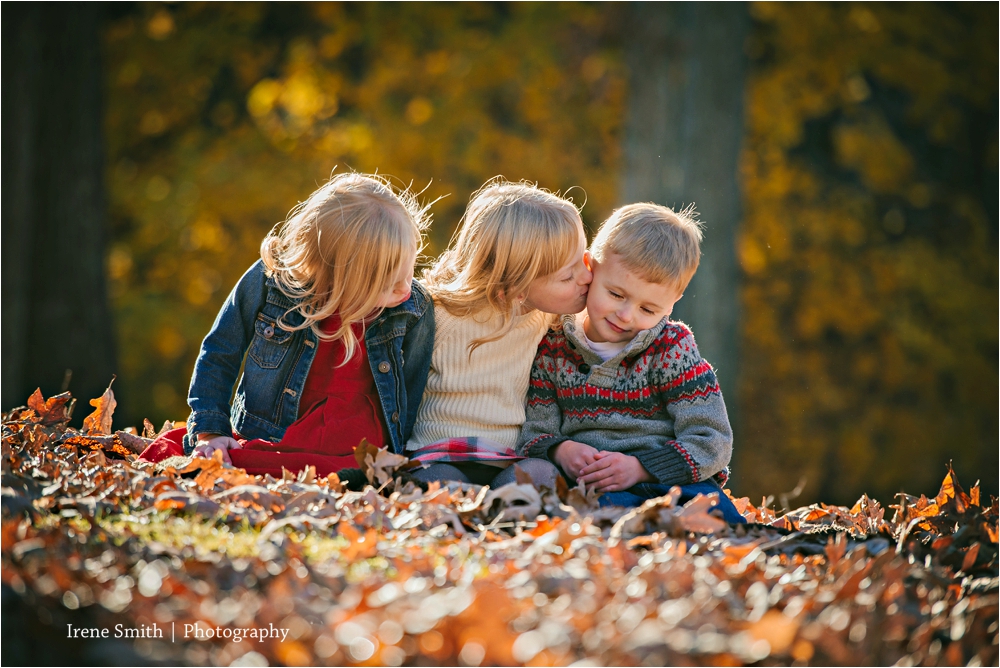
(339, 407)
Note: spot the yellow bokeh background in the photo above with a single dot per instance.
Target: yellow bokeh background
(868, 260)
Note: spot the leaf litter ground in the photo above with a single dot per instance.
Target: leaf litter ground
(235, 569)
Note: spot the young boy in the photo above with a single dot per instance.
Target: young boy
(619, 397)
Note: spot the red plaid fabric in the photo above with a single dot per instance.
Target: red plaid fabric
(468, 449)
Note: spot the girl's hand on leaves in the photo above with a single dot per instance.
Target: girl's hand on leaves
(209, 443)
(614, 472)
(573, 456)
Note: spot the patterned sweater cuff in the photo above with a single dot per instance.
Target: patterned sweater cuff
(540, 446)
(667, 465)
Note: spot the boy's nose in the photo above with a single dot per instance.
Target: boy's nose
(625, 314)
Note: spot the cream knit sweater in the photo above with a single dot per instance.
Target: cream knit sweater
(482, 396)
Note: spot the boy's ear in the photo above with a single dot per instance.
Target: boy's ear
(588, 260)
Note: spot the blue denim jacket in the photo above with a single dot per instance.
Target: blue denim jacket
(276, 362)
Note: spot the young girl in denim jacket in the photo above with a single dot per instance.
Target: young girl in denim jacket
(517, 260)
(333, 334)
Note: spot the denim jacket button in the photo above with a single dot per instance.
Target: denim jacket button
(395, 416)
(383, 367)
(268, 332)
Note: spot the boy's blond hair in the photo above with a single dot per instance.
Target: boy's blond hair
(659, 244)
(510, 234)
(338, 251)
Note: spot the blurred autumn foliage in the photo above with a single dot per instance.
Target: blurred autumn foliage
(868, 249)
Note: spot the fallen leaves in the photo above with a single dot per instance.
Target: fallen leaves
(461, 574)
(98, 423)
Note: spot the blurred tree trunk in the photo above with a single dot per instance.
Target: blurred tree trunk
(56, 315)
(682, 143)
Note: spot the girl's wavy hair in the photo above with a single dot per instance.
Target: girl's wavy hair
(338, 251)
(510, 234)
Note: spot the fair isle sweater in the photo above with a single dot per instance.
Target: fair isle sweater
(481, 395)
(656, 400)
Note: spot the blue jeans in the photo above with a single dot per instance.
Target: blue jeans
(637, 494)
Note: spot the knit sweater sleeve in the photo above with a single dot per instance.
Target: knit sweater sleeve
(543, 418)
(689, 392)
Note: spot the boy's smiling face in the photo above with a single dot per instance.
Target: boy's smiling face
(621, 304)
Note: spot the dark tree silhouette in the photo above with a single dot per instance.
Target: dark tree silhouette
(682, 142)
(57, 330)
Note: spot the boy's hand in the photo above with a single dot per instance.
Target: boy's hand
(614, 472)
(209, 443)
(572, 457)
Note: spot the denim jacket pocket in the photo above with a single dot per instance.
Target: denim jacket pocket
(270, 343)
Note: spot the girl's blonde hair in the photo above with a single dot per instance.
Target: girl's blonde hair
(339, 250)
(510, 234)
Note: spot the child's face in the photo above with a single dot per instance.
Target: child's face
(562, 291)
(399, 290)
(621, 304)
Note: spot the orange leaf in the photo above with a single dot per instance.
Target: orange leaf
(544, 526)
(359, 547)
(778, 629)
(99, 422)
(694, 515)
(970, 558)
(169, 503)
(293, 653)
(52, 410)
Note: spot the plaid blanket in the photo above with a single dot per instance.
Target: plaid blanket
(468, 449)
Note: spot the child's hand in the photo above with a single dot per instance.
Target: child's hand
(209, 443)
(573, 457)
(614, 472)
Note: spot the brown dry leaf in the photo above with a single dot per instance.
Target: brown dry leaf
(950, 489)
(694, 515)
(777, 628)
(969, 561)
(132, 442)
(582, 499)
(54, 410)
(517, 502)
(743, 505)
(99, 422)
(362, 452)
(381, 468)
(835, 549)
(178, 500)
(167, 426)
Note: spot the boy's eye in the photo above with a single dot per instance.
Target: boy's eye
(646, 311)
(614, 294)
